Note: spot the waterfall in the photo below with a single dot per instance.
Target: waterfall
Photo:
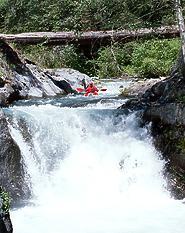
(91, 170)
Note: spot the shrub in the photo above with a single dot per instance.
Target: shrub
(66, 56)
(111, 60)
(154, 57)
(151, 58)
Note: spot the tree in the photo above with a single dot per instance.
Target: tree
(181, 25)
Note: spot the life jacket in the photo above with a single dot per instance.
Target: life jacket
(93, 90)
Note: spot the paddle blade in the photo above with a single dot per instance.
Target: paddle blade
(103, 89)
(79, 89)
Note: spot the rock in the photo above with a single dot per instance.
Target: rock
(140, 86)
(12, 176)
(35, 85)
(73, 77)
(6, 224)
(169, 113)
(41, 83)
(62, 84)
(169, 140)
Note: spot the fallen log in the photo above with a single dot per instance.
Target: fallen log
(91, 37)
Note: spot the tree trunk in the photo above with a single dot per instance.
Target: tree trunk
(92, 37)
(181, 25)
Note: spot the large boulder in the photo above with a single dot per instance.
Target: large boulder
(12, 176)
(73, 77)
(35, 84)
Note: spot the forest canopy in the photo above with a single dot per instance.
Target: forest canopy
(81, 15)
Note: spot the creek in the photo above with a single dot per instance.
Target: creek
(91, 169)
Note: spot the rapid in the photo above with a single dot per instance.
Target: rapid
(91, 169)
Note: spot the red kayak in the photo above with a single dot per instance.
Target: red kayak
(81, 90)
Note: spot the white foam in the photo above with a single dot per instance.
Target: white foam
(92, 173)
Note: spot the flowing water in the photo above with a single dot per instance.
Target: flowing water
(91, 169)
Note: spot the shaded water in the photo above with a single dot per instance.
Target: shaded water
(92, 170)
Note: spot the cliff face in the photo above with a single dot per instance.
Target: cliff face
(167, 114)
(12, 176)
(168, 129)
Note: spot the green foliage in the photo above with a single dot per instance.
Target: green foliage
(155, 57)
(180, 98)
(151, 58)
(5, 200)
(152, 12)
(52, 15)
(55, 56)
(110, 61)
(180, 145)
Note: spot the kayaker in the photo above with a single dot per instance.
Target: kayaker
(91, 89)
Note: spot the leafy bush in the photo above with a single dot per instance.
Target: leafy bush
(110, 61)
(151, 58)
(155, 57)
(55, 56)
(51, 57)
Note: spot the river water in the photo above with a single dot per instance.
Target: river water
(91, 169)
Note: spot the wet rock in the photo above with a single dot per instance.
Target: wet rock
(169, 140)
(133, 104)
(8, 95)
(139, 87)
(169, 113)
(12, 176)
(73, 77)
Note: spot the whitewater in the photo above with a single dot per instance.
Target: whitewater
(91, 169)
